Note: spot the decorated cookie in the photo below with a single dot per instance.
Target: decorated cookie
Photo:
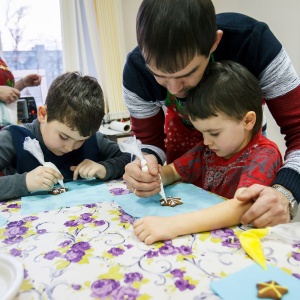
(270, 289)
(171, 201)
(56, 191)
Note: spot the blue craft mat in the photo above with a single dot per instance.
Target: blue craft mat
(79, 192)
(242, 284)
(3, 220)
(93, 191)
(193, 198)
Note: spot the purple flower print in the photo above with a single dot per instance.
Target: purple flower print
(15, 223)
(15, 252)
(168, 250)
(119, 191)
(85, 218)
(124, 218)
(227, 236)
(116, 251)
(42, 231)
(131, 277)
(74, 255)
(222, 233)
(76, 286)
(124, 292)
(177, 273)
(13, 206)
(128, 246)
(51, 255)
(296, 255)
(296, 275)
(30, 218)
(99, 223)
(71, 223)
(25, 273)
(17, 230)
(183, 285)
(231, 242)
(90, 205)
(185, 250)
(151, 254)
(65, 243)
(103, 288)
(81, 246)
(296, 245)
(12, 240)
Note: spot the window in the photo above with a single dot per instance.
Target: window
(30, 41)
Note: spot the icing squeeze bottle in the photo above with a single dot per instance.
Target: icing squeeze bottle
(145, 169)
(133, 146)
(33, 146)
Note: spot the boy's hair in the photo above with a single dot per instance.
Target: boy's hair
(170, 33)
(229, 88)
(76, 101)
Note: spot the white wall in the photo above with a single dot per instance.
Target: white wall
(283, 18)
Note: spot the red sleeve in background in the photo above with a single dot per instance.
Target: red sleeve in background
(150, 130)
(286, 112)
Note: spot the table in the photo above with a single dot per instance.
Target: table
(90, 252)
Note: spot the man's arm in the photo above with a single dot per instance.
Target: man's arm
(281, 88)
(144, 99)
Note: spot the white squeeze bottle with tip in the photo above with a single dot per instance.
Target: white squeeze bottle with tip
(145, 169)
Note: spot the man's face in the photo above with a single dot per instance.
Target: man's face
(59, 138)
(180, 83)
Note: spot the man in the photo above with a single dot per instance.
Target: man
(177, 39)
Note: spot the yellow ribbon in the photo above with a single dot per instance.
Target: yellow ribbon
(250, 241)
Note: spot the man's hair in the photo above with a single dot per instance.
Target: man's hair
(76, 101)
(170, 33)
(229, 88)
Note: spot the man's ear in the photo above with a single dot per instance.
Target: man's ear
(219, 35)
(249, 120)
(42, 114)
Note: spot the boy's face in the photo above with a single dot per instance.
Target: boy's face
(58, 137)
(180, 83)
(223, 135)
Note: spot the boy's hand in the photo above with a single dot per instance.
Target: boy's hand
(88, 169)
(42, 179)
(152, 229)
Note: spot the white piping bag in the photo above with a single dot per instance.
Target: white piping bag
(133, 146)
(33, 146)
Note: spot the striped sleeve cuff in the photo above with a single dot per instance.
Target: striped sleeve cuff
(290, 179)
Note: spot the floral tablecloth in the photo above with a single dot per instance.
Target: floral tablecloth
(90, 251)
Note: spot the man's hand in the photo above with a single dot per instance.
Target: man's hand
(143, 184)
(270, 206)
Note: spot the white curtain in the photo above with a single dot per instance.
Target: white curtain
(93, 44)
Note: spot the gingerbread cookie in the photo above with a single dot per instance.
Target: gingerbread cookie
(171, 201)
(270, 289)
(57, 191)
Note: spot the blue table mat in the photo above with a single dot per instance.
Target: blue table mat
(93, 191)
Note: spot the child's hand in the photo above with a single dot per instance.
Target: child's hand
(42, 179)
(88, 169)
(152, 229)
